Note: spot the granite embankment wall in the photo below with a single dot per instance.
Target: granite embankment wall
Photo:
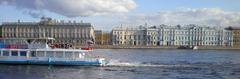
(162, 47)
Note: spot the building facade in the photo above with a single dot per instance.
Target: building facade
(98, 37)
(71, 33)
(102, 38)
(128, 36)
(236, 36)
(163, 35)
(228, 37)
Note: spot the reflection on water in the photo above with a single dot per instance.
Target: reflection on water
(140, 64)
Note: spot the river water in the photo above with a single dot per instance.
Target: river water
(140, 64)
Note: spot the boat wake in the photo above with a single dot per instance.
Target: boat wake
(116, 63)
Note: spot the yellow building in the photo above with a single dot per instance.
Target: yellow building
(236, 36)
(102, 38)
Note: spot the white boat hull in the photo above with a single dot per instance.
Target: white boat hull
(57, 57)
(53, 61)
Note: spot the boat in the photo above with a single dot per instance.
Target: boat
(39, 53)
(188, 47)
(195, 47)
(184, 47)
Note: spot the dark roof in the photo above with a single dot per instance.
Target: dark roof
(232, 28)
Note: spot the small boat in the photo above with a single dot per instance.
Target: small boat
(188, 47)
(41, 54)
(184, 47)
(195, 47)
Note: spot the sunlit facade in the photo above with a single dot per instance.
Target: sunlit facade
(236, 36)
(72, 33)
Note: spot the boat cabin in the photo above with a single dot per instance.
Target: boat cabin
(53, 53)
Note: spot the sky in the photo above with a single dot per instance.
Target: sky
(106, 14)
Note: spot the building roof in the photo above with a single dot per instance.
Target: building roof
(47, 21)
(232, 28)
(47, 38)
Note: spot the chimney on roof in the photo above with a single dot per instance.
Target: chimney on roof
(62, 21)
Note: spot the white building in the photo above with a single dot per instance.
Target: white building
(72, 33)
(163, 35)
(128, 36)
(151, 34)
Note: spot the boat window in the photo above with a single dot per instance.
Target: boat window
(68, 54)
(5, 53)
(59, 54)
(50, 54)
(80, 55)
(33, 53)
(23, 53)
(40, 53)
(14, 53)
(76, 54)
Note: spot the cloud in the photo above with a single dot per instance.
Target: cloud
(72, 8)
(202, 16)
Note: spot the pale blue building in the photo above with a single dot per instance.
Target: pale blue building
(193, 35)
(165, 35)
